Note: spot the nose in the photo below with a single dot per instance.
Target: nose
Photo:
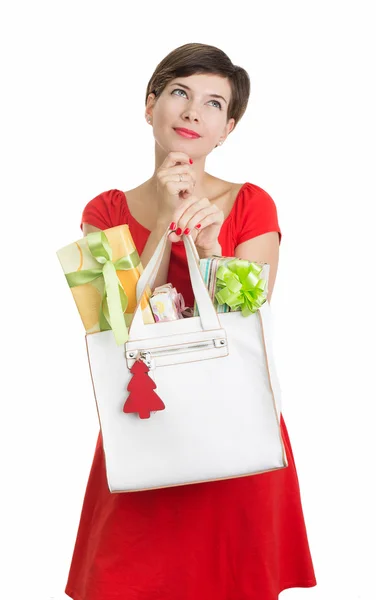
(191, 114)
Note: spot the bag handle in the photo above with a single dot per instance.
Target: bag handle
(208, 314)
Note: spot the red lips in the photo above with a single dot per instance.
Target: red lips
(188, 132)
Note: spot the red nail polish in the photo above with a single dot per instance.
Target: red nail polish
(190, 161)
(172, 226)
(198, 226)
(178, 231)
(186, 231)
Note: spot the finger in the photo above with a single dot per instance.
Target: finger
(174, 238)
(175, 157)
(194, 212)
(176, 216)
(184, 205)
(174, 188)
(194, 233)
(173, 173)
(210, 219)
(183, 168)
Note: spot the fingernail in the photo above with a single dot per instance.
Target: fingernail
(198, 226)
(172, 226)
(190, 161)
(178, 231)
(186, 231)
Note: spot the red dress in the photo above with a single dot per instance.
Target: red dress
(234, 539)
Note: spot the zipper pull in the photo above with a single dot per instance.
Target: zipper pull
(147, 358)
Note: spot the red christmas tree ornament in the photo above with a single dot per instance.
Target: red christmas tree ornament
(142, 399)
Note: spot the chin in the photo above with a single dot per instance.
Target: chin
(175, 147)
(180, 145)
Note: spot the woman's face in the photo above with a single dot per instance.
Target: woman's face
(198, 103)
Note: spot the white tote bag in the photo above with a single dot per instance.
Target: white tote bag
(216, 376)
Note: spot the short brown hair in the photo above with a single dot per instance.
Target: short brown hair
(192, 59)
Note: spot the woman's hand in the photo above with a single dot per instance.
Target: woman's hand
(171, 191)
(186, 213)
(203, 220)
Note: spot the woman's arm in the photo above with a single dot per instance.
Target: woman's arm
(262, 248)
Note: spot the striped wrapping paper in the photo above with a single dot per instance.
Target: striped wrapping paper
(208, 269)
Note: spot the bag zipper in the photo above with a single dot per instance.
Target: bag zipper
(148, 355)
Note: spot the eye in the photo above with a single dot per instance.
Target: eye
(179, 90)
(184, 92)
(219, 104)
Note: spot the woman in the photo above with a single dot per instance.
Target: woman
(234, 539)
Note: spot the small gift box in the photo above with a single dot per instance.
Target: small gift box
(166, 303)
(102, 270)
(235, 284)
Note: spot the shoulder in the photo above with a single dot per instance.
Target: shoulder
(107, 209)
(252, 196)
(254, 213)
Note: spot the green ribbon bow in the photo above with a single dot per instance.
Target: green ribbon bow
(239, 286)
(114, 301)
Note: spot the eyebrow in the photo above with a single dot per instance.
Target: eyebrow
(189, 89)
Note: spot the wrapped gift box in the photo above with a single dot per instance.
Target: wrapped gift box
(102, 270)
(235, 284)
(166, 303)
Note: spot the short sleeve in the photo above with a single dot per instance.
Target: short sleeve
(105, 210)
(255, 213)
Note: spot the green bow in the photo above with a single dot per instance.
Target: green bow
(114, 301)
(239, 286)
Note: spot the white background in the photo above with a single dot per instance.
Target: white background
(74, 76)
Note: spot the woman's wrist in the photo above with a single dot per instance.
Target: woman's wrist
(208, 252)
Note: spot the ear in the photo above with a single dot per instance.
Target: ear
(230, 126)
(149, 105)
